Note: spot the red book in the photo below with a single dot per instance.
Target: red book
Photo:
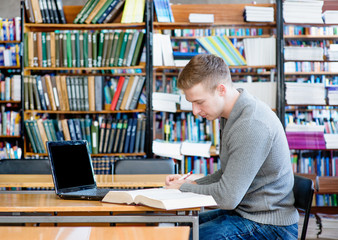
(117, 93)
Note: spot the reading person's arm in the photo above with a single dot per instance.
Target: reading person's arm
(245, 160)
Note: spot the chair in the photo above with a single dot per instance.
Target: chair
(144, 166)
(303, 191)
(24, 166)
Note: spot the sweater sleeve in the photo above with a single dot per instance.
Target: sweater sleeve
(248, 144)
(211, 178)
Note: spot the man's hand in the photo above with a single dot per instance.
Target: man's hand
(174, 181)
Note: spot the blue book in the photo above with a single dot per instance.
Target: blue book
(107, 11)
(71, 128)
(128, 134)
(133, 136)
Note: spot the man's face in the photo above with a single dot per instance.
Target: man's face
(208, 104)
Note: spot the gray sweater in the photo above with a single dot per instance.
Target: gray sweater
(256, 176)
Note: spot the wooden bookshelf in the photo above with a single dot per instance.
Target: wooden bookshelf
(9, 42)
(84, 112)
(231, 67)
(312, 37)
(30, 154)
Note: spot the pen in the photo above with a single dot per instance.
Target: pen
(185, 176)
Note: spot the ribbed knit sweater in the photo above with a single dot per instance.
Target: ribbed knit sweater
(255, 178)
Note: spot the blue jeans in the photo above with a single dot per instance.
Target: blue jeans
(225, 224)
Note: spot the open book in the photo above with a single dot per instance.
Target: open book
(168, 199)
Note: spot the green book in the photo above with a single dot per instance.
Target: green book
(94, 48)
(52, 129)
(83, 10)
(36, 132)
(110, 44)
(36, 94)
(44, 51)
(105, 48)
(95, 136)
(138, 49)
(83, 49)
(64, 47)
(26, 64)
(57, 49)
(48, 133)
(113, 48)
(48, 50)
(119, 126)
(26, 93)
(100, 48)
(78, 49)
(73, 48)
(118, 48)
(130, 39)
(89, 58)
(69, 48)
(30, 136)
(30, 94)
(101, 11)
(123, 49)
(88, 11)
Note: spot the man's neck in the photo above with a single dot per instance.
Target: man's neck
(230, 100)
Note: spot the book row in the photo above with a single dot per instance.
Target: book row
(105, 48)
(96, 11)
(163, 11)
(105, 165)
(185, 126)
(9, 150)
(10, 123)
(10, 29)
(201, 165)
(10, 88)
(45, 11)
(78, 93)
(326, 200)
(10, 55)
(105, 11)
(109, 136)
(204, 32)
(310, 31)
(291, 67)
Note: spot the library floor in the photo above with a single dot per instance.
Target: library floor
(329, 227)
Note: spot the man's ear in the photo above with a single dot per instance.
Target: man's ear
(221, 89)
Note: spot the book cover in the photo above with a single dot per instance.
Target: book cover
(115, 12)
(128, 136)
(168, 199)
(123, 135)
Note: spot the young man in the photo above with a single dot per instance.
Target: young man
(253, 188)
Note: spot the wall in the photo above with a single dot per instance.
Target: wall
(11, 8)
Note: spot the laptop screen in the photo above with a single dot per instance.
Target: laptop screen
(71, 164)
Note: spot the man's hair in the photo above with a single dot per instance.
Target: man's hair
(207, 69)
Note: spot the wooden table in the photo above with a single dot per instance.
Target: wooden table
(94, 233)
(43, 208)
(110, 181)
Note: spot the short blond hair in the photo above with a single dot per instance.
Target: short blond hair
(207, 69)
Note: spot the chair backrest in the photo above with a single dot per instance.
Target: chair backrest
(24, 166)
(303, 191)
(144, 166)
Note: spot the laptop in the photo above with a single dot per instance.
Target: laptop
(72, 171)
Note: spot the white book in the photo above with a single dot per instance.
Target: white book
(167, 51)
(167, 149)
(201, 149)
(157, 50)
(168, 199)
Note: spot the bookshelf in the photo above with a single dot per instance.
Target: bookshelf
(10, 93)
(311, 160)
(95, 118)
(228, 19)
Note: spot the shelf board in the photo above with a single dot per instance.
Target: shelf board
(234, 24)
(330, 210)
(9, 101)
(5, 42)
(84, 112)
(310, 60)
(311, 73)
(80, 68)
(4, 136)
(231, 37)
(102, 74)
(43, 26)
(311, 37)
(310, 24)
(231, 67)
(9, 67)
(93, 155)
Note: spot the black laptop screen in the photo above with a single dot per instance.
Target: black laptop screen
(71, 165)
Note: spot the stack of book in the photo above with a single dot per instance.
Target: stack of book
(165, 101)
(9, 122)
(305, 93)
(11, 151)
(105, 48)
(124, 135)
(303, 53)
(332, 95)
(163, 11)
(260, 51)
(163, 51)
(331, 141)
(77, 93)
(99, 11)
(10, 55)
(333, 52)
(45, 11)
(222, 47)
(10, 29)
(305, 136)
(305, 11)
(10, 88)
(258, 14)
(330, 17)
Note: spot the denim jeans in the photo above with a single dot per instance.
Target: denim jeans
(225, 224)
